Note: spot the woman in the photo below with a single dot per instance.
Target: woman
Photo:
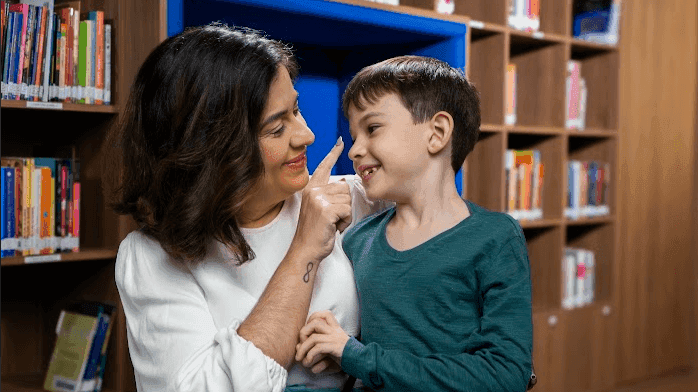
(236, 244)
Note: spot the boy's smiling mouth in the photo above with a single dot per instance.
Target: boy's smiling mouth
(366, 171)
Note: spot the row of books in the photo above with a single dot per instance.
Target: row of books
(575, 96)
(40, 206)
(578, 278)
(55, 54)
(588, 193)
(524, 172)
(524, 15)
(80, 354)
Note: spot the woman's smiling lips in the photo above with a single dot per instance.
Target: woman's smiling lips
(296, 162)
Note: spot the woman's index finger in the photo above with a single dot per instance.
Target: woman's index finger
(321, 175)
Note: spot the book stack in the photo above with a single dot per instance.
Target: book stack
(510, 114)
(524, 15)
(577, 278)
(55, 53)
(40, 206)
(524, 184)
(587, 189)
(597, 21)
(80, 353)
(576, 96)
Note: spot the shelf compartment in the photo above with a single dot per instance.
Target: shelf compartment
(600, 149)
(332, 42)
(485, 165)
(550, 147)
(600, 70)
(540, 74)
(29, 315)
(598, 238)
(545, 255)
(486, 70)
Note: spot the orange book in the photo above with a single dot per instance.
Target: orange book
(525, 159)
(45, 210)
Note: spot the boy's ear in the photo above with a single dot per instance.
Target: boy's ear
(441, 132)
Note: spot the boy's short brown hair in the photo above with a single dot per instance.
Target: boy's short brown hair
(425, 86)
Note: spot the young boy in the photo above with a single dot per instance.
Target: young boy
(444, 284)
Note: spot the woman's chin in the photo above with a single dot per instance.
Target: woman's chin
(297, 182)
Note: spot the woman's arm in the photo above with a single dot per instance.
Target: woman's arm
(276, 319)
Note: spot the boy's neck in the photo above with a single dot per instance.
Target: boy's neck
(434, 207)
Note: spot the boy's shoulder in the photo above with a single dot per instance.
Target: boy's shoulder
(500, 225)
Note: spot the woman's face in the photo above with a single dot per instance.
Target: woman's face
(283, 140)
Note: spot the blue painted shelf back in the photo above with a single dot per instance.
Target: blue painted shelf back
(332, 42)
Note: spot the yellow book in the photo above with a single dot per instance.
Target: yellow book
(75, 333)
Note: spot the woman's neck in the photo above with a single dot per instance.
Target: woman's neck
(256, 215)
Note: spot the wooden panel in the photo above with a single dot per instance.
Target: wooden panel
(551, 16)
(486, 70)
(549, 353)
(486, 165)
(657, 137)
(545, 254)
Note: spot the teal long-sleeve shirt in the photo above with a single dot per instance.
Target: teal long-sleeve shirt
(453, 313)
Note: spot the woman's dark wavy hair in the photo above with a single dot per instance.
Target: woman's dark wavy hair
(425, 86)
(187, 143)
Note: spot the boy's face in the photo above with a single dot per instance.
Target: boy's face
(389, 151)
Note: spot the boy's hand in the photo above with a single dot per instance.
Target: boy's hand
(321, 337)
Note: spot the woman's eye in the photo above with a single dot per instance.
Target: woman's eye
(296, 110)
(279, 131)
(372, 128)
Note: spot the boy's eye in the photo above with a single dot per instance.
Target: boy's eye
(296, 110)
(372, 128)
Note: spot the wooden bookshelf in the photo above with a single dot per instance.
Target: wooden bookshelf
(30, 315)
(35, 289)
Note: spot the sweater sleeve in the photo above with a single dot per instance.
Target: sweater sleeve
(497, 356)
(173, 342)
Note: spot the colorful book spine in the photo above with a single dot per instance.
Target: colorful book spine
(8, 212)
(82, 62)
(98, 64)
(107, 64)
(24, 10)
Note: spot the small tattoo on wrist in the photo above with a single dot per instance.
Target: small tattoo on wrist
(309, 267)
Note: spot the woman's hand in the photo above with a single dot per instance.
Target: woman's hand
(325, 209)
(321, 337)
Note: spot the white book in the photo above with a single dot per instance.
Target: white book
(569, 264)
(581, 121)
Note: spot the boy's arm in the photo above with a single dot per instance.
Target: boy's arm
(497, 356)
